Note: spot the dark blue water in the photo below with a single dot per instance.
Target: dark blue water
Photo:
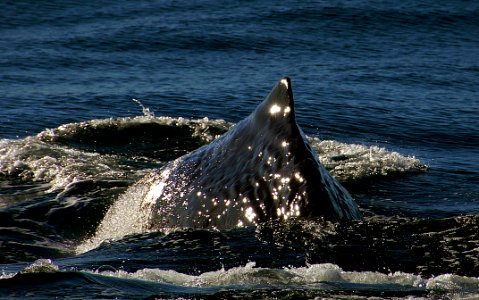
(398, 78)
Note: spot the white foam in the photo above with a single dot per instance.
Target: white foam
(249, 276)
(37, 158)
(4, 275)
(313, 277)
(349, 162)
(41, 266)
(33, 159)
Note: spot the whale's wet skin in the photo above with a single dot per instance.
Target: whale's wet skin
(262, 169)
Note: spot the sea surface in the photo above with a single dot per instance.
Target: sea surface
(95, 95)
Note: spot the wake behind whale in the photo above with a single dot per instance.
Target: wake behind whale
(262, 169)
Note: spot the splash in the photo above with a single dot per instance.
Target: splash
(127, 216)
(76, 151)
(33, 159)
(352, 162)
(41, 266)
(319, 277)
(326, 280)
(146, 111)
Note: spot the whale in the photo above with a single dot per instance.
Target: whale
(262, 169)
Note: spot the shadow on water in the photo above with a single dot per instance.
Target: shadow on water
(419, 246)
(152, 139)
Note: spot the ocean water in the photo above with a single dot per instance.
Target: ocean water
(94, 95)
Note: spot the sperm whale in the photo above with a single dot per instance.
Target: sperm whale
(261, 169)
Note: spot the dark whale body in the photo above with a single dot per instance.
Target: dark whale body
(261, 169)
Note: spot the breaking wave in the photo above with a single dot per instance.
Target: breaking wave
(128, 147)
(317, 280)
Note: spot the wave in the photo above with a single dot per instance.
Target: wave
(127, 147)
(326, 280)
(314, 277)
(106, 148)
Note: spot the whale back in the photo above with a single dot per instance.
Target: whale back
(261, 169)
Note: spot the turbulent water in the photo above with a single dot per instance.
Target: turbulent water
(96, 95)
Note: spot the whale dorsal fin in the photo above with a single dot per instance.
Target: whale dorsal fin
(279, 102)
(261, 169)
